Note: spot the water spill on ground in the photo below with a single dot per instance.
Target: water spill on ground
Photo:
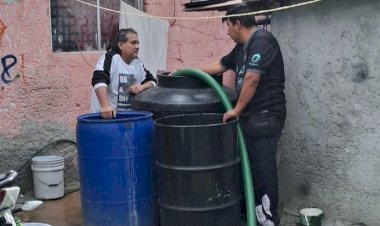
(65, 211)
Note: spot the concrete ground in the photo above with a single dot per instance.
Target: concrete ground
(60, 212)
(67, 212)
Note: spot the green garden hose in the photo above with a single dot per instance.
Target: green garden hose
(247, 178)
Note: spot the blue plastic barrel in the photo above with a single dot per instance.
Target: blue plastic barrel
(117, 169)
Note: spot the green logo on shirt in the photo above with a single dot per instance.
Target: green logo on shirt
(256, 58)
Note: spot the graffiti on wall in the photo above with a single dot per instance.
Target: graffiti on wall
(7, 62)
(2, 29)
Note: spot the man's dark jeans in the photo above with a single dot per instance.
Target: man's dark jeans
(262, 133)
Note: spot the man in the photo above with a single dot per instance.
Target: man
(118, 74)
(259, 68)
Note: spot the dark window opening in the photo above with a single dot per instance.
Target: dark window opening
(79, 27)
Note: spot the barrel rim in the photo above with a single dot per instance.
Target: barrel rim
(182, 82)
(89, 117)
(193, 126)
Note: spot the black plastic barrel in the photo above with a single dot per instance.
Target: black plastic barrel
(198, 170)
(175, 95)
(117, 169)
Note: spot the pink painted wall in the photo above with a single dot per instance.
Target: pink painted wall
(50, 89)
(55, 86)
(192, 43)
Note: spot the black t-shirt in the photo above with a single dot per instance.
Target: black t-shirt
(261, 55)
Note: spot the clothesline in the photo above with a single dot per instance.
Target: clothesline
(204, 17)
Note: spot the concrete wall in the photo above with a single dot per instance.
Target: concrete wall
(329, 154)
(43, 92)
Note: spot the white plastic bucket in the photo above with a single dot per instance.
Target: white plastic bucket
(48, 176)
(35, 224)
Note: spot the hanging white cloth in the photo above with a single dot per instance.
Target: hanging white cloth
(153, 37)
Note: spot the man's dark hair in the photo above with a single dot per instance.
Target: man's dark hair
(246, 21)
(121, 36)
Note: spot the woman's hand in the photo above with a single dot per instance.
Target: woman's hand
(136, 89)
(107, 112)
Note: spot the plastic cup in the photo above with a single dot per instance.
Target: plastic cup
(311, 217)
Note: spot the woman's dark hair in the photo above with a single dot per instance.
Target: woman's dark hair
(121, 36)
(246, 21)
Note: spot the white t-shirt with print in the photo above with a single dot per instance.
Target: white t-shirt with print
(122, 76)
